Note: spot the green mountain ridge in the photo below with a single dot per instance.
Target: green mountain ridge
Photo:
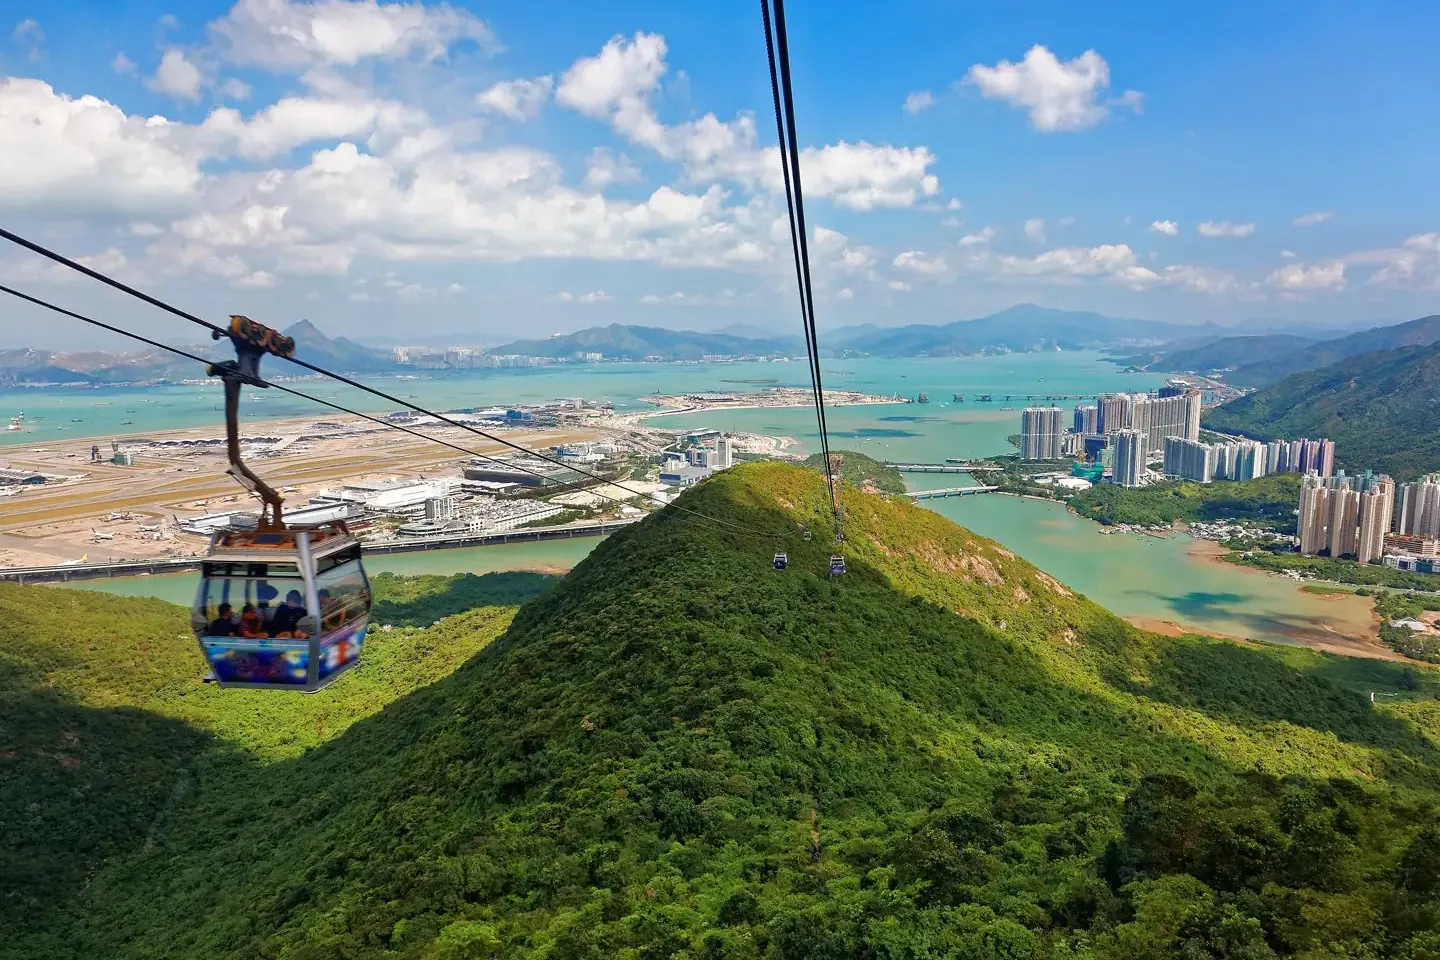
(1380, 408)
(679, 752)
(1284, 363)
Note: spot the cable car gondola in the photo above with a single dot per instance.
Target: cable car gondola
(278, 607)
(781, 561)
(837, 564)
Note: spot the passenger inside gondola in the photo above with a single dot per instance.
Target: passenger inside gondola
(252, 624)
(224, 624)
(286, 621)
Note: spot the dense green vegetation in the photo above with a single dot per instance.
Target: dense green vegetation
(679, 752)
(1377, 407)
(860, 471)
(1339, 571)
(1268, 502)
(1267, 370)
(105, 721)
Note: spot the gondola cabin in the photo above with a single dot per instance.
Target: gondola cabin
(781, 561)
(837, 565)
(282, 609)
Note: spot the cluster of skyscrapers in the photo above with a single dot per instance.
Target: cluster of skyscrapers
(1346, 516)
(1369, 516)
(1173, 412)
(1188, 459)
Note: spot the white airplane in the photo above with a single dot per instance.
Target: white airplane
(96, 535)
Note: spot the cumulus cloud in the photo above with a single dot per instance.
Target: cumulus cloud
(1311, 219)
(919, 262)
(1057, 95)
(900, 286)
(594, 296)
(918, 101)
(1035, 229)
(517, 99)
(616, 86)
(846, 293)
(176, 76)
(1416, 262)
(1168, 227)
(123, 64)
(1298, 278)
(679, 298)
(297, 35)
(605, 167)
(1289, 254)
(979, 237)
(1224, 228)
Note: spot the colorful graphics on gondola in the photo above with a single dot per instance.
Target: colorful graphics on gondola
(341, 648)
(258, 662)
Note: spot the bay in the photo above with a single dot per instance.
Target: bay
(1143, 578)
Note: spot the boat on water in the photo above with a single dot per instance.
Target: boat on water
(923, 398)
(958, 397)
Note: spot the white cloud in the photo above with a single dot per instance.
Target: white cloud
(1058, 95)
(952, 222)
(295, 35)
(258, 280)
(1311, 219)
(918, 101)
(455, 288)
(979, 238)
(176, 77)
(846, 293)
(517, 99)
(1296, 277)
(1197, 279)
(1168, 227)
(605, 167)
(594, 296)
(954, 204)
(84, 157)
(1069, 262)
(724, 298)
(28, 34)
(292, 121)
(918, 262)
(899, 285)
(616, 86)
(123, 64)
(233, 89)
(1416, 262)
(1224, 228)
(1035, 229)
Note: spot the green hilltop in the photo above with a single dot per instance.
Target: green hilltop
(858, 470)
(680, 752)
(1379, 408)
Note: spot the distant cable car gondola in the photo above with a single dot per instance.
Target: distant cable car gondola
(807, 534)
(278, 608)
(837, 564)
(781, 561)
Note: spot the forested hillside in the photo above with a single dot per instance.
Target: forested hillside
(680, 752)
(1265, 370)
(1382, 409)
(861, 471)
(1269, 501)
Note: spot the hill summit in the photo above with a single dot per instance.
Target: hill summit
(681, 752)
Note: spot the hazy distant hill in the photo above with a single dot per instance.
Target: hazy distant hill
(338, 354)
(1382, 409)
(29, 366)
(625, 342)
(1018, 329)
(1272, 369)
(1223, 353)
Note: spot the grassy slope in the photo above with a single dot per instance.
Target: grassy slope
(861, 471)
(105, 723)
(679, 752)
(1271, 500)
(1378, 408)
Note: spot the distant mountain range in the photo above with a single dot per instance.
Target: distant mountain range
(1381, 408)
(621, 342)
(27, 366)
(1274, 351)
(1258, 361)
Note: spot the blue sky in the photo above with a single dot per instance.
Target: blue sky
(514, 169)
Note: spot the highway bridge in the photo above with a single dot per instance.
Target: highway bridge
(949, 492)
(65, 572)
(957, 467)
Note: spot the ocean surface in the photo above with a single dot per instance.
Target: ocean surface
(1132, 575)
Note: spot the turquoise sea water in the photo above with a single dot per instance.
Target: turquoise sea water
(1133, 576)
